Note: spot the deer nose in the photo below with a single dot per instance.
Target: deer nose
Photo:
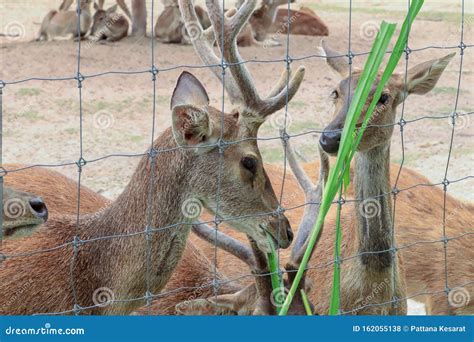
(329, 141)
(38, 208)
(286, 233)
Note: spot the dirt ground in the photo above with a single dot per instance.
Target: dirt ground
(41, 118)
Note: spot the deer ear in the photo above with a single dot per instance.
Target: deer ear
(422, 78)
(336, 60)
(192, 126)
(189, 90)
(112, 9)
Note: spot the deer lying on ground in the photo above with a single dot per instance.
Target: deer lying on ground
(186, 163)
(302, 22)
(108, 24)
(65, 23)
(169, 27)
(22, 213)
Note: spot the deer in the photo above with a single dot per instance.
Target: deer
(108, 24)
(193, 149)
(169, 26)
(369, 260)
(65, 23)
(301, 22)
(22, 213)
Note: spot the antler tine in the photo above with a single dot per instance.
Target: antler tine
(225, 242)
(203, 41)
(313, 196)
(227, 29)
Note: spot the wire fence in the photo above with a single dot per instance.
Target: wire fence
(148, 231)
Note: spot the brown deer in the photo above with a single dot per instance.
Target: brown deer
(259, 298)
(64, 23)
(361, 254)
(192, 151)
(169, 27)
(108, 24)
(22, 213)
(301, 22)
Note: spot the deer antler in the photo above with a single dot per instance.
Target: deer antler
(240, 87)
(313, 195)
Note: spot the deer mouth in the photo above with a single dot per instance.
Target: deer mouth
(21, 228)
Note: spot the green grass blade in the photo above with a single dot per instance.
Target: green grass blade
(368, 77)
(306, 304)
(335, 301)
(277, 284)
(349, 141)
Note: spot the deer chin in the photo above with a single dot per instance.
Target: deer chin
(21, 228)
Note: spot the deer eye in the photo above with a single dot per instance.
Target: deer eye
(383, 99)
(250, 164)
(334, 95)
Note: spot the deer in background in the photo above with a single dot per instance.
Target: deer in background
(108, 24)
(302, 22)
(192, 167)
(22, 213)
(64, 23)
(169, 26)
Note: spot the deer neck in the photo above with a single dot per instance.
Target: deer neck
(149, 215)
(374, 207)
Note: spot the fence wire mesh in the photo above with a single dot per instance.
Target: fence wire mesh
(148, 230)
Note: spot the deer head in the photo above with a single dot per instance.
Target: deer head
(196, 123)
(102, 17)
(22, 213)
(258, 298)
(420, 80)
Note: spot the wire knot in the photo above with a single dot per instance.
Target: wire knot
(222, 145)
(445, 184)
(3, 172)
(279, 211)
(462, 47)
(350, 56)
(81, 163)
(80, 78)
(408, 51)
(2, 84)
(76, 243)
(341, 201)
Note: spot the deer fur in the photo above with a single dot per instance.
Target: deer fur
(118, 263)
(64, 23)
(22, 213)
(108, 24)
(302, 22)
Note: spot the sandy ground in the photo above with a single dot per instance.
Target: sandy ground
(41, 118)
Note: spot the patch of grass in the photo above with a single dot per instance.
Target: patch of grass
(28, 92)
(272, 155)
(30, 114)
(72, 130)
(136, 138)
